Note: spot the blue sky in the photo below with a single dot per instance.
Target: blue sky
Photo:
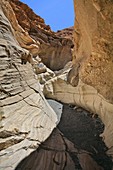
(58, 14)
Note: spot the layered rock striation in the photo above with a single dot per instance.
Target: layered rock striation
(26, 119)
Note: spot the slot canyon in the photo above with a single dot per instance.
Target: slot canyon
(56, 89)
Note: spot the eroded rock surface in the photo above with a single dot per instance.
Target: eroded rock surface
(92, 57)
(91, 76)
(93, 34)
(19, 33)
(26, 119)
(54, 51)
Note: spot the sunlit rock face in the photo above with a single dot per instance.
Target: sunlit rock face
(54, 51)
(93, 35)
(91, 76)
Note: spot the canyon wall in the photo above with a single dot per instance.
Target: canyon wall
(89, 83)
(54, 51)
(94, 50)
(26, 119)
(93, 36)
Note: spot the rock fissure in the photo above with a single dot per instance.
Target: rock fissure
(7, 143)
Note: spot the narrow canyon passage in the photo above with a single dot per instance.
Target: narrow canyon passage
(73, 66)
(74, 145)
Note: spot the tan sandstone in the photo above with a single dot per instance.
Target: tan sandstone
(93, 35)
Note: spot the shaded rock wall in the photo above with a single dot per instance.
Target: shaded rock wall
(52, 154)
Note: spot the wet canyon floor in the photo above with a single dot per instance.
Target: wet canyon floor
(74, 145)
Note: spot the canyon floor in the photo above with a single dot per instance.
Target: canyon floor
(74, 145)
